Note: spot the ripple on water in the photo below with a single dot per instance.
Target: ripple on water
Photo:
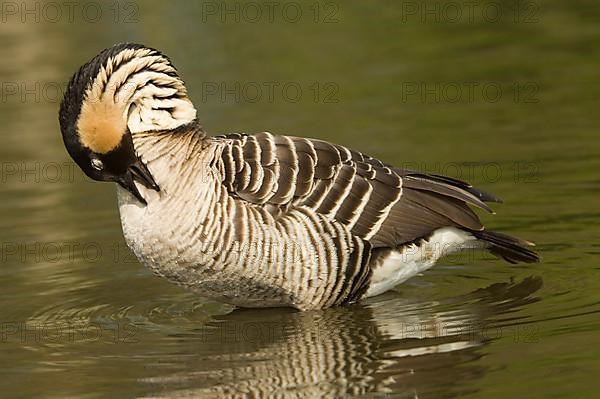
(388, 344)
(85, 321)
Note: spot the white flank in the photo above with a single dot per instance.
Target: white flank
(403, 264)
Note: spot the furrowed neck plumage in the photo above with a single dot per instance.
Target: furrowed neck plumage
(133, 89)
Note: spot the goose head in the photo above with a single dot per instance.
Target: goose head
(124, 90)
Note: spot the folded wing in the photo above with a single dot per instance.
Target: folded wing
(381, 204)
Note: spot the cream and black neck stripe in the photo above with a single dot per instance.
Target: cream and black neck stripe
(126, 86)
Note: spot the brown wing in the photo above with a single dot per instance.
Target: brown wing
(384, 205)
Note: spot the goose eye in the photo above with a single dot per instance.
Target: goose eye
(97, 164)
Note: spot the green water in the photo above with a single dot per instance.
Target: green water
(509, 102)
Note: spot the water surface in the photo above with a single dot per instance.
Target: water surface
(510, 104)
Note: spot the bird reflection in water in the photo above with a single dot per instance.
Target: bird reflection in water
(388, 347)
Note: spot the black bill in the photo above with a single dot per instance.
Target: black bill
(137, 172)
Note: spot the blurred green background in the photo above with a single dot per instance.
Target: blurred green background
(501, 93)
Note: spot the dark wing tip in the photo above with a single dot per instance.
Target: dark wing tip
(482, 195)
(448, 188)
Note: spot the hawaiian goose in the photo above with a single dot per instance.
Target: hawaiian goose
(258, 220)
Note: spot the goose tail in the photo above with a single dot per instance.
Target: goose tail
(511, 249)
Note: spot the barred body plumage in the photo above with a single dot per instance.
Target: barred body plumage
(258, 220)
(242, 252)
